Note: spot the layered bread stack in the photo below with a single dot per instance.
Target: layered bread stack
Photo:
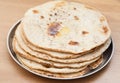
(62, 39)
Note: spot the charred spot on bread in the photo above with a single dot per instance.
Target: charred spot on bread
(55, 14)
(53, 29)
(35, 11)
(74, 8)
(42, 17)
(76, 18)
(73, 43)
(46, 65)
(105, 29)
(50, 14)
(85, 32)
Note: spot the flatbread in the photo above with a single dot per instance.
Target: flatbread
(65, 27)
(26, 46)
(21, 53)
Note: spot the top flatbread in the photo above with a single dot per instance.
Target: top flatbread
(65, 26)
(25, 45)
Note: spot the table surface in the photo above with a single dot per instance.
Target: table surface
(13, 10)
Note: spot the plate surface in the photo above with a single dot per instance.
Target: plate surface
(107, 55)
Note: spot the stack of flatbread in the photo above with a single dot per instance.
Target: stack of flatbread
(62, 39)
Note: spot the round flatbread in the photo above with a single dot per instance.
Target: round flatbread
(65, 27)
(26, 45)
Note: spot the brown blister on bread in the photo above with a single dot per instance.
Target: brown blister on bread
(76, 18)
(84, 32)
(53, 29)
(102, 19)
(47, 65)
(105, 29)
(73, 43)
(35, 11)
(74, 8)
(55, 14)
(50, 14)
(42, 17)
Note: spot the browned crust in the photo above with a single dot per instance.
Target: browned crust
(53, 29)
(85, 32)
(73, 43)
(76, 18)
(105, 29)
(41, 17)
(35, 11)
